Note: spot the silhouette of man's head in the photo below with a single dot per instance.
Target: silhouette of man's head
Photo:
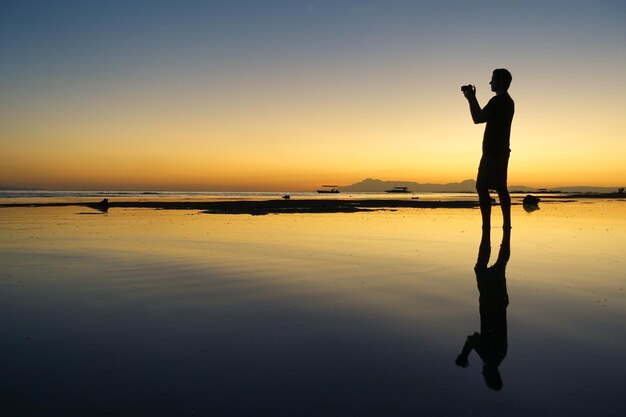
(500, 80)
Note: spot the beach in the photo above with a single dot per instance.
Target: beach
(359, 311)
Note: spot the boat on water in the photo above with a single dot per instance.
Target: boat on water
(399, 190)
(328, 189)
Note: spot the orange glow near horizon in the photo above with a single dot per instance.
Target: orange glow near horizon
(301, 147)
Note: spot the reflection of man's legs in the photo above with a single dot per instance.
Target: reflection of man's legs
(505, 204)
(485, 206)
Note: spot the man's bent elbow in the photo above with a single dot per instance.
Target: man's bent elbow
(478, 120)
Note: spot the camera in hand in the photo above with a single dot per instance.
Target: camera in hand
(466, 88)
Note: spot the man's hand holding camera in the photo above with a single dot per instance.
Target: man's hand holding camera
(469, 91)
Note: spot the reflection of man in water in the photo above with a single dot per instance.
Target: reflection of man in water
(492, 171)
(491, 343)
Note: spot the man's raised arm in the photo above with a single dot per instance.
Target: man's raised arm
(478, 115)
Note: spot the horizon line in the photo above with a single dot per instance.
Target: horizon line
(512, 188)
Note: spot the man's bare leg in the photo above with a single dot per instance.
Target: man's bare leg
(485, 206)
(505, 205)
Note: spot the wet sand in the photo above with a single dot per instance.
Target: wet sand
(142, 312)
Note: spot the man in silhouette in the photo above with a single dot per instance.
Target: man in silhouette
(492, 171)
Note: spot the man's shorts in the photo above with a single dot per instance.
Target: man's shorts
(492, 172)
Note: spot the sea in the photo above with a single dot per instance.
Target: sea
(13, 196)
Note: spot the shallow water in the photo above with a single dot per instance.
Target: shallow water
(158, 313)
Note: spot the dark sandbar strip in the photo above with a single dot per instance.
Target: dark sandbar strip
(266, 207)
(617, 196)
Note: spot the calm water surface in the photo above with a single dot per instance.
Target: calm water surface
(162, 313)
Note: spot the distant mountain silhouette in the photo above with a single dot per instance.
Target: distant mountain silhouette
(371, 185)
(374, 185)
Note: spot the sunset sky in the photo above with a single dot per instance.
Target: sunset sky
(290, 95)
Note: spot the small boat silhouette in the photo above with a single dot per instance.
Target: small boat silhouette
(399, 190)
(328, 189)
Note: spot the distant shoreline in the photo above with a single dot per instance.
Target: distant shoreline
(295, 206)
(592, 195)
(263, 207)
